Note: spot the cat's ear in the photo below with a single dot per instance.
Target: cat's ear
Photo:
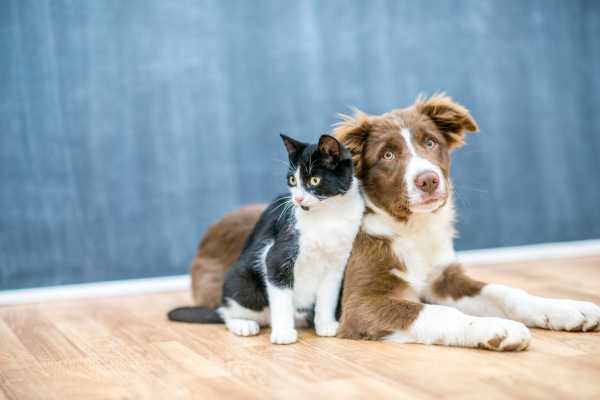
(291, 145)
(330, 148)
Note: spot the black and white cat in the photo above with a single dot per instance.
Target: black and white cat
(293, 261)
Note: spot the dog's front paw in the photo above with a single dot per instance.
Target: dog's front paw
(284, 336)
(327, 328)
(568, 315)
(498, 334)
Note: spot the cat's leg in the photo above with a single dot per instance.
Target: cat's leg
(279, 265)
(454, 288)
(281, 304)
(244, 304)
(326, 303)
(241, 320)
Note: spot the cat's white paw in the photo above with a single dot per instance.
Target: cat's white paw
(284, 336)
(327, 328)
(243, 327)
(498, 334)
(567, 315)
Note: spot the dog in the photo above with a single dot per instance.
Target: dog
(403, 282)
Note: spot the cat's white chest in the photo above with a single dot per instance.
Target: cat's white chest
(325, 244)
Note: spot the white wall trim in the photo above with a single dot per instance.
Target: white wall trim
(95, 289)
(182, 282)
(581, 248)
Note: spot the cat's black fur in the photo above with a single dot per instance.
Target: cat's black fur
(244, 281)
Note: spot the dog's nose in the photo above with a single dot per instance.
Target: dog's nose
(427, 181)
(299, 199)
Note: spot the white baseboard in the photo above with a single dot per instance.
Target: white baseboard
(581, 248)
(182, 282)
(95, 289)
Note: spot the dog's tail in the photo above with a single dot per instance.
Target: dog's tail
(199, 315)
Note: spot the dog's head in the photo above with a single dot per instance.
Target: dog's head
(403, 157)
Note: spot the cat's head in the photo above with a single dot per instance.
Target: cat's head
(317, 172)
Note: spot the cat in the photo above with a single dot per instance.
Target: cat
(292, 264)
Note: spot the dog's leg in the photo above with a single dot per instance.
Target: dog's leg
(454, 288)
(410, 322)
(449, 327)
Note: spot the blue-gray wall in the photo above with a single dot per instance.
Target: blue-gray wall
(127, 126)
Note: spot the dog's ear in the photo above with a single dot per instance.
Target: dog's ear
(451, 118)
(352, 132)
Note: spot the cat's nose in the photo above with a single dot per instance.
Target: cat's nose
(299, 199)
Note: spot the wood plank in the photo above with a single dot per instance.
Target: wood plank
(190, 361)
(12, 352)
(41, 338)
(124, 348)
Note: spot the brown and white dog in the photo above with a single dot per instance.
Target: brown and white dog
(403, 282)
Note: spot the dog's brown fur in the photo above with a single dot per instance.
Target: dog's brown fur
(454, 283)
(369, 137)
(220, 246)
(375, 301)
(371, 305)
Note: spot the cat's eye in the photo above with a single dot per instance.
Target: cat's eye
(388, 155)
(314, 180)
(292, 180)
(430, 143)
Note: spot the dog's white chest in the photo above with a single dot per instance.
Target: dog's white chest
(424, 245)
(422, 258)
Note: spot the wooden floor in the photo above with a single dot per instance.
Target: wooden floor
(124, 348)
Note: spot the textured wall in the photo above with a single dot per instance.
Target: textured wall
(127, 126)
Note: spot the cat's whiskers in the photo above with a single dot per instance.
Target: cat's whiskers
(286, 163)
(310, 165)
(283, 200)
(288, 204)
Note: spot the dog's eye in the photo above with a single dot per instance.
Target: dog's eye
(388, 155)
(314, 180)
(292, 180)
(430, 143)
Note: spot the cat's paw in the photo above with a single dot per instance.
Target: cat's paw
(243, 327)
(284, 336)
(327, 328)
(568, 315)
(498, 334)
